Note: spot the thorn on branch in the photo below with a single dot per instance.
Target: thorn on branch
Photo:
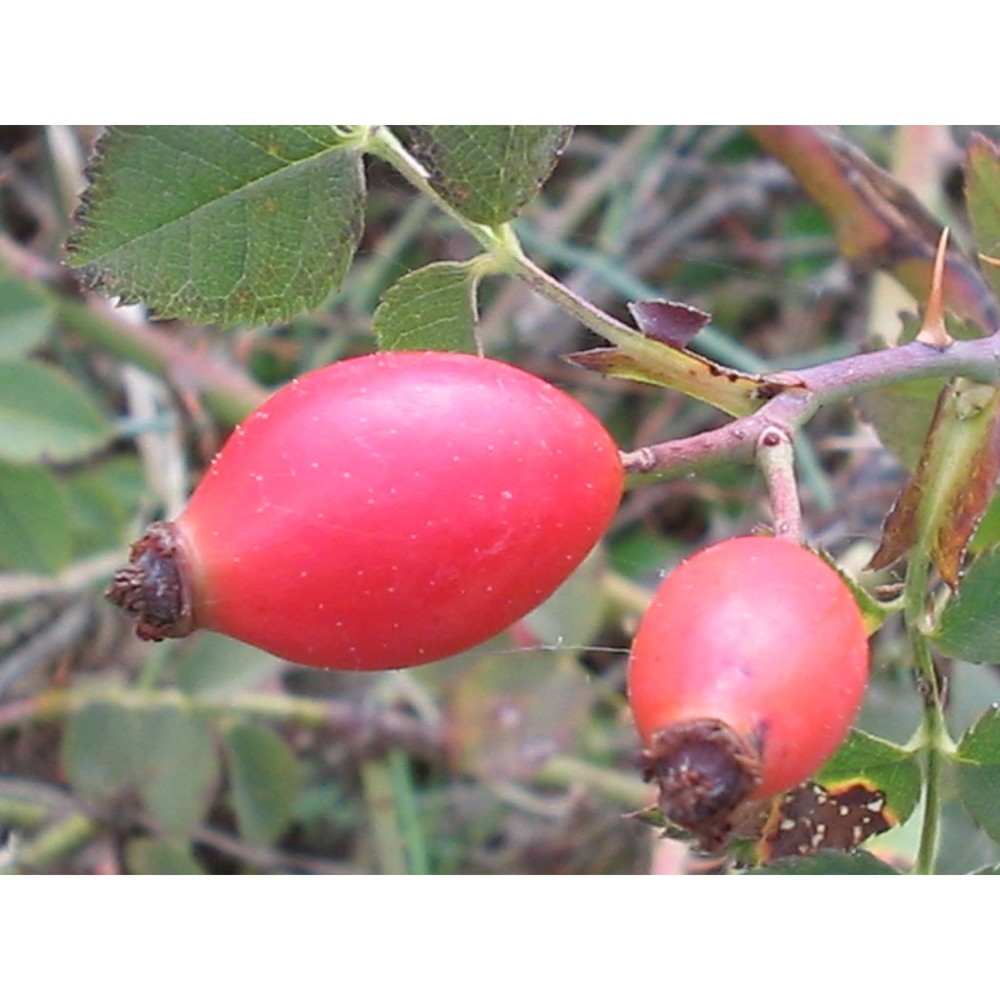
(933, 332)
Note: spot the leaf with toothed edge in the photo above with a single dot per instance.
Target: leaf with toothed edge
(891, 769)
(969, 626)
(431, 309)
(977, 772)
(488, 172)
(223, 224)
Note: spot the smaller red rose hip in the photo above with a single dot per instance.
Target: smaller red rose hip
(382, 512)
(746, 673)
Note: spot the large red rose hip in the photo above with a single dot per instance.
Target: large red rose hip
(746, 673)
(382, 512)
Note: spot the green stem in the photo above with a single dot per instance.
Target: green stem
(384, 144)
(934, 736)
(678, 368)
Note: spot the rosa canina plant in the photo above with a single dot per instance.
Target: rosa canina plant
(444, 499)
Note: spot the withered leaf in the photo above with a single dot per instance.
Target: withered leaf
(674, 323)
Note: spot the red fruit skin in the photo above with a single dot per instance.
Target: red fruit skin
(395, 509)
(764, 636)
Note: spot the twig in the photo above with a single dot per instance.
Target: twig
(815, 387)
(776, 457)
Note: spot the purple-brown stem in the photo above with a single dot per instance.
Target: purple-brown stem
(776, 458)
(819, 386)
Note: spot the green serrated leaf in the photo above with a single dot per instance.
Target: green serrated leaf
(983, 200)
(265, 778)
(148, 856)
(489, 172)
(35, 533)
(179, 764)
(829, 863)
(25, 318)
(45, 415)
(884, 765)
(969, 627)
(223, 224)
(433, 309)
(977, 772)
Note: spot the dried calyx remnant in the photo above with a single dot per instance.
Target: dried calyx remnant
(705, 772)
(153, 587)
